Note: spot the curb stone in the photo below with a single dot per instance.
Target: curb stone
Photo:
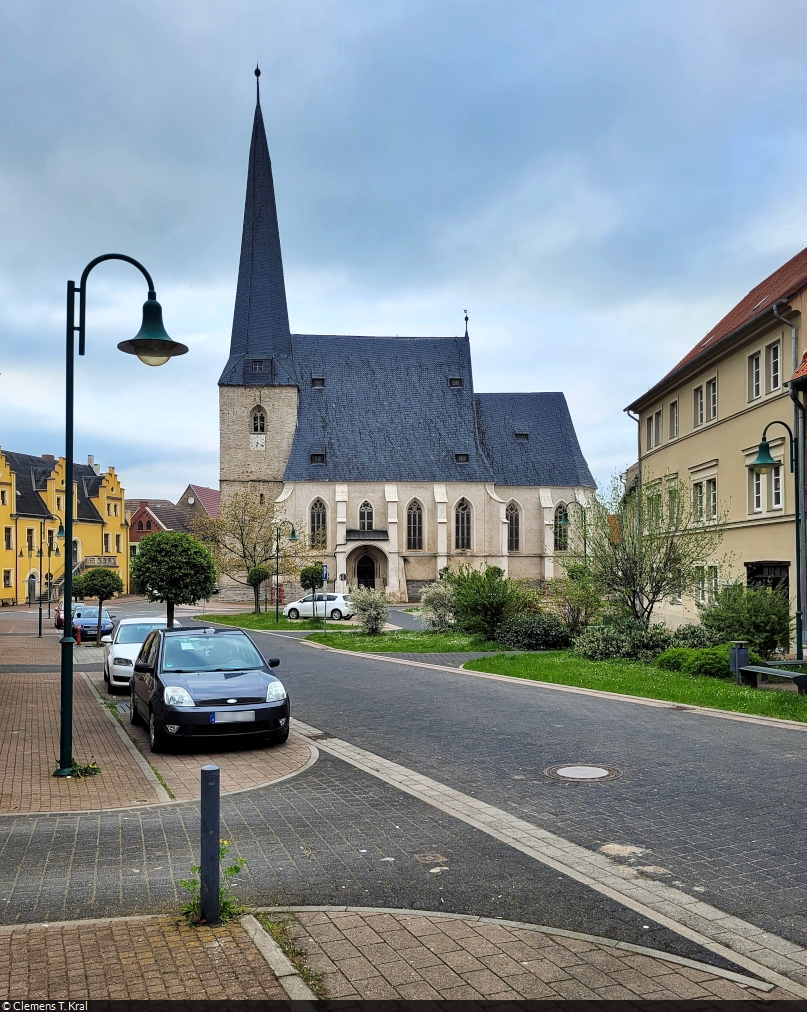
(291, 982)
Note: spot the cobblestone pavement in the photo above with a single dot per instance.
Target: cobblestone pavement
(379, 955)
(707, 804)
(135, 958)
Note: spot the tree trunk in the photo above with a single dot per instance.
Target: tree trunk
(169, 623)
(257, 590)
(98, 628)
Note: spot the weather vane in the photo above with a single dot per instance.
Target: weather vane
(257, 82)
(466, 321)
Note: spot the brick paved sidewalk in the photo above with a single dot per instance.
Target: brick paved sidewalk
(396, 954)
(135, 958)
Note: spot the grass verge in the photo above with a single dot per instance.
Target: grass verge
(282, 933)
(266, 620)
(407, 641)
(634, 679)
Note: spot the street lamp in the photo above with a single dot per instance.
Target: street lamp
(53, 549)
(764, 464)
(565, 523)
(292, 537)
(153, 347)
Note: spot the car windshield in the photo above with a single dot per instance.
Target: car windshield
(91, 613)
(136, 633)
(226, 652)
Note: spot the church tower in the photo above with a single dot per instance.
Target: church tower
(258, 387)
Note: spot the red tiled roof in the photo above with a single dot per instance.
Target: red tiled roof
(785, 282)
(209, 498)
(799, 377)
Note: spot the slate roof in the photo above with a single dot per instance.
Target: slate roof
(173, 518)
(32, 474)
(550, 455)
(209, 498)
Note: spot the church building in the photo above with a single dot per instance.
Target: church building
(381, 443)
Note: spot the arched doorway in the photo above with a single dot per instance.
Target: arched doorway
(365, 571)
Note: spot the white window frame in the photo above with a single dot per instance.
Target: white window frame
(711, 498)
(649, 435)
(698, 500)
(756, 492)
(658, 427)
(711, 399)
(773, 361)
(777, 489)
(673, 420)
(754, 376)
(697, 406)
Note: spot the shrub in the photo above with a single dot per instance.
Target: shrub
(624, 637)
(437, 606)
(674, 659)
(371, 606)
(530, 631)
(482, 598)
(576, 598)
(759, 615)
(712, 662)
(694, 636)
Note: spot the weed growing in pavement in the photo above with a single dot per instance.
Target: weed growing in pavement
(90, 769)
(164, 785)
(228, 904)
(282, 933)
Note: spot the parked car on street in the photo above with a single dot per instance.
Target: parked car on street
(338, 606)
(58, 615)
(123, 646)
(85, 620)
(206, 683)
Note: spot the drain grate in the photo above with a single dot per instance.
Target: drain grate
(580, 773)
(319, 737)
(429, 858)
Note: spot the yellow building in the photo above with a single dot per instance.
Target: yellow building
(31, 512)
(703, 422)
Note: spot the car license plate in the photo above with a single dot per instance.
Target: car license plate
(232, 716)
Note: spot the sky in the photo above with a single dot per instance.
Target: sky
(598, 183)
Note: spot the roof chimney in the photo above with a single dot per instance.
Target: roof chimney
(48, 456)
(93, 465)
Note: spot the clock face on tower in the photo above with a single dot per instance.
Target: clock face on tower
(257, 442)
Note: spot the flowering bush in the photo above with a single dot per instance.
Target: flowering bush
(371, 606)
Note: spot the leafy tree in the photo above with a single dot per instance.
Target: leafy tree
(103, 584)
(255, 577)
(78, 588)
(650, 543)
(576, 597)
(173, 567)
(311, 579)
(758, 614)
(371, 605)
(437, 606)
(482, 598)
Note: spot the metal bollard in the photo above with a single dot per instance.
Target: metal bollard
(738, 658)
(211, 834)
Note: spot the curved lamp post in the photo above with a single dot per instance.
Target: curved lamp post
(764, 464)
(565, 522)
(292, 537)
(153, 347)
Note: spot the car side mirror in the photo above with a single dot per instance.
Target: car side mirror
(274, 662)
(106, 639)
(142, 667)
(112, 615)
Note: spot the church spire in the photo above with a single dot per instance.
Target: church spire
(261, 318)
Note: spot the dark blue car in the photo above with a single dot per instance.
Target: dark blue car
(85, 618)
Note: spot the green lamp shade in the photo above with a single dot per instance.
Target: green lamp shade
(151, 344)
(764, 462)
(57, 553)
(60, 532)
(292, 536)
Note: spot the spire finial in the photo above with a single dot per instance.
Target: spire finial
(466, 321)
(258, 84)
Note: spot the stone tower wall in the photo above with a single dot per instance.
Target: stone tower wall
(245, 457)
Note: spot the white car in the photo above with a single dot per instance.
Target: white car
(337, 605)
(123, 646)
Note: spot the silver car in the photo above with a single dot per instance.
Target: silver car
(338, 606)
(123, 646)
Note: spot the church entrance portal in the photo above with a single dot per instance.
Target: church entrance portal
(365, 571)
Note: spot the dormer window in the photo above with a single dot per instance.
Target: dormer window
(317, 458)
(257, 366)
(455, 381)
(317, 381)
(461, 458)
(522, 435)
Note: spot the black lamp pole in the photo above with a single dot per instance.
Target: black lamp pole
(153, 347)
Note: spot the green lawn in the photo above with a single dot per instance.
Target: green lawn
(407, 641)
(633, 679)
(249, 620)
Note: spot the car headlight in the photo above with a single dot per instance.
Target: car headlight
(275, 691)
(122, 662)
(175, 695)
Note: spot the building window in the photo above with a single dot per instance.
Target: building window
(317, 458)
(674, 420)
(511, 514)
(697, 500)
(754, 377)
(455, 381)
(414, 527)
(3, 497)
(257, 366)
(317, 381)
(462, 526)
(58, 502)
(657, 428)
(649, 440)
(140, 525)
(522, 435)
(118, 544)
(700, 578)
(261, 498)
(773, 353)
(561, 528)
(106, 544)
(365, 517)
(711, 498)
(776, 488)
(51, 540)
(6, 577)
(711, 399)
(713, 584)
(29, 539)
(258, 422)
(461, 458)
(132, 551)
(148, 525)
(756, 492)
(319, 519)
(8, 544)
(697, 406)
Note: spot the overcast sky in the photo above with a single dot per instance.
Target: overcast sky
(598, 182)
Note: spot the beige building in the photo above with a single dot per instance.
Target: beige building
(380, 444)
(703, 422)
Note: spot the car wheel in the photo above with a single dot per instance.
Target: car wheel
(110, 688)
(158, 740)
(106, 676)
(134, 716)
(293, 614)
(336, 615)
(273, 739)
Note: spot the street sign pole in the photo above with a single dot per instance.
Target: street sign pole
(325, 585)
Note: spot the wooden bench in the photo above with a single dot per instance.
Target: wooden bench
(750, 673)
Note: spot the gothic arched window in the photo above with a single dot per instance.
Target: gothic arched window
(462, 526)
(140, 525)
(258, 420)
(148, 525)
(561, 528)
(319, 519)
(414, 527)
(513, 532)
(365, 517)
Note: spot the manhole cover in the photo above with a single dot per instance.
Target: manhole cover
(322, 736)
(579, 773)
(429, 858)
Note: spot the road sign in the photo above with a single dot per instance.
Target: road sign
(325, 574)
